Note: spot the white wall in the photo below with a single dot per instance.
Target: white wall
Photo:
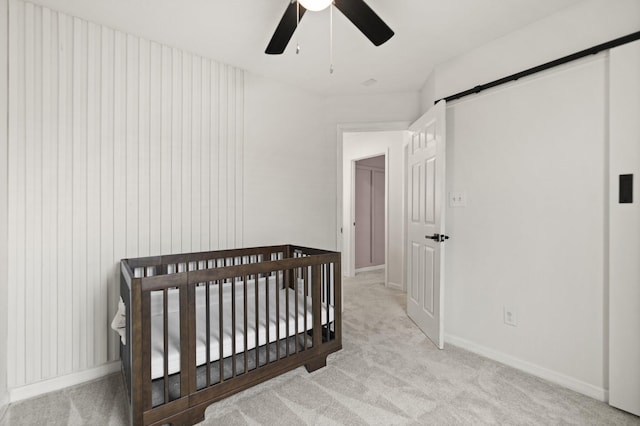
(4, 33)
(358, 145)
(375, 108)
(573, 29)
(290, 168)
(291, 156)
(428, 93)
(624, 228)
(531, 158)
(118, 147)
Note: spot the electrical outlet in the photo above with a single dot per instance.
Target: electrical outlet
(510, 316)
(457, 199)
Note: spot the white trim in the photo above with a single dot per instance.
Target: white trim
(370, 268)
(395, 286)
(536, 370)
(371, 127)
(57, 383)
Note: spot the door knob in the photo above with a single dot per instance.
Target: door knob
(437, 237)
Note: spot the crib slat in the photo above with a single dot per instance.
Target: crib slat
(208, 331)
(277, 315)
(246, 353)
(220, 335)
(287, 286)
(267, 319)
(146, 349)
(295, 288)
(165, 328)
(305, 283)
(316, 300)
(233, 326)
(327, 283)
(255, 285)
(191, 354)
(184, 341)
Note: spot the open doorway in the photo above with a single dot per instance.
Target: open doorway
(356, 145)
(370, 226)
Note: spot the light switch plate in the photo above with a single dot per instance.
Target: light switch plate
(457, 199)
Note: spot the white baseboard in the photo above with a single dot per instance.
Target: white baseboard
(536, 370)
(394, 286)
(57, 383)
(370, 268)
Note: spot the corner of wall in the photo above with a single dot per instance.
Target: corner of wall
(4, 41)
(428, 93)
(534, 369)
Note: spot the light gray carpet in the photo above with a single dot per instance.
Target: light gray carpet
(387, 373)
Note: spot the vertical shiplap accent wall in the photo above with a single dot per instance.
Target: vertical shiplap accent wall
(118, 147)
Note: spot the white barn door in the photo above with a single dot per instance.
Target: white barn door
(425, 223)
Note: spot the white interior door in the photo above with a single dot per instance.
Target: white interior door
(425, 223)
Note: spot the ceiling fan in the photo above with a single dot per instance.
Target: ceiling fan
(357, 11)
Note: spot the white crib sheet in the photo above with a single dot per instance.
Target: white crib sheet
(157, 337)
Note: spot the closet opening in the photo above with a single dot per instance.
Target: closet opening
(369, 223)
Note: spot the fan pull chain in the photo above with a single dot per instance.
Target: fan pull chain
(331, 38)
(297, 23)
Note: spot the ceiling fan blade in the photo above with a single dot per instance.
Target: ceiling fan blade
(285, 29)
(363, 17)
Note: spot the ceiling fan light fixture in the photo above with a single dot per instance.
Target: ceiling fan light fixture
(315, 5)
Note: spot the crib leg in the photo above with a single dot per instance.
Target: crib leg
(190, 416)
(316, 364)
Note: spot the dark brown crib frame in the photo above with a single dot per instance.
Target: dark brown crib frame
(320, 272)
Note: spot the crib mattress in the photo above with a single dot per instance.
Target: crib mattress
(272, 319)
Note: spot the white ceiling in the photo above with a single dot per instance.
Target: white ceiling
(236, 32)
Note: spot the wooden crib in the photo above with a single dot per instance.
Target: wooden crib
(203, 326)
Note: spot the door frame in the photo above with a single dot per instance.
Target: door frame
(344, 235)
